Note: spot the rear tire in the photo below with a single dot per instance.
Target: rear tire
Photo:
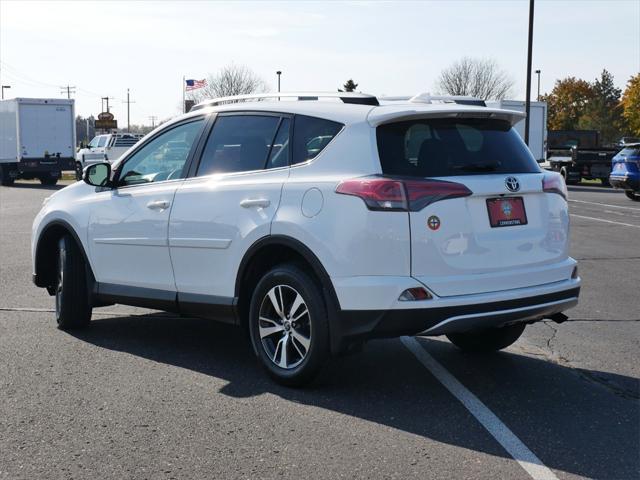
(6, 179)
(72, 299)
(291, 345)
(47, 180)
(489, 340)
(632, 195)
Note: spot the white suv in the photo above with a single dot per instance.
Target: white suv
(317, 225)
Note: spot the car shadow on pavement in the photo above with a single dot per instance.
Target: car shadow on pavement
(572, 424)
(593, 189)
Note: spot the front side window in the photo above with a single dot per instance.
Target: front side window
(450, 147)
(163, 158)
(102, 140)
(311, 135)
(94, 142)
(242, 143)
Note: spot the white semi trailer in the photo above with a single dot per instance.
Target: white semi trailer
(537, 124)
(37, 139)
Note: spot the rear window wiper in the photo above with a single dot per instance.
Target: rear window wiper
(478, 167)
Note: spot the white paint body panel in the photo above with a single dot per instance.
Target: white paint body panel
(210, 230)
(127, 240)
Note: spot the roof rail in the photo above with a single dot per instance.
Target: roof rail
(346, 97)
(431, 99)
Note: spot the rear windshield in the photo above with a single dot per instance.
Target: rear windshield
(630, 152)
(449, 147)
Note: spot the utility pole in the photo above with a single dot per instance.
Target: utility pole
(128, 102)
(153, 119)
(278, 73)
(69, 89)
(2, 87)
(527, 107)
(538, 97)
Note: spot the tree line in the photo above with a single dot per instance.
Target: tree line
(576, 104)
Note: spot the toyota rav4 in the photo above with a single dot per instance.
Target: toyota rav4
(318, 222)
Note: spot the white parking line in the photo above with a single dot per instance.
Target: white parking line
(505, 437)
(605, 205)
(606, 221)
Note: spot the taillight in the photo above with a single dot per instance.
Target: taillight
(554, 183)
(388, 194)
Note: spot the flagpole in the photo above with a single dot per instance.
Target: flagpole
(183, 80)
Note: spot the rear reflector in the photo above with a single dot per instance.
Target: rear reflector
(554, 183)
(388, 194)
(413, 294)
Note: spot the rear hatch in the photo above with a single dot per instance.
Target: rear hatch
(490, 225)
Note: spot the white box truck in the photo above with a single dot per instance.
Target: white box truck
(37, 139)
(537, 124)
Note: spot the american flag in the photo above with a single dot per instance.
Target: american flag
(195, 84)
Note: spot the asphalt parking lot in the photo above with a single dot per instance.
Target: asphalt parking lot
(143, 394)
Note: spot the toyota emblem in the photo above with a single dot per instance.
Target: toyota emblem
(512, 184)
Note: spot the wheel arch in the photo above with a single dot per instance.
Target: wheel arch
(272, 250)
(45, 265)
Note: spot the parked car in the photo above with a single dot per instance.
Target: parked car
(109, 147)
(318, 225)
(625, 171)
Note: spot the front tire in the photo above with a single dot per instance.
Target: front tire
(631, 195)
(288, 325)
(489, 340)
(72, 299)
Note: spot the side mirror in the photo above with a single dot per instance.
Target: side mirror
(97, 175)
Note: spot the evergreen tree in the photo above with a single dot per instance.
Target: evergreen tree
(349, 86)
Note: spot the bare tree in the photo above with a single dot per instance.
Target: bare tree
(230, 80)
(476, 78)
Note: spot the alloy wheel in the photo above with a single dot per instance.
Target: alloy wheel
(284, 326)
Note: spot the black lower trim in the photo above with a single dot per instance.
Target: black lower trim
(137, 296)
(364, 324)
(213, 307)
(222, 309)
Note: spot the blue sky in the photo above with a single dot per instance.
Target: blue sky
(104, 48)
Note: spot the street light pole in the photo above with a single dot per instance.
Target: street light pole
(278, 73)
(538, 97)
(527, 107)
(2, 88)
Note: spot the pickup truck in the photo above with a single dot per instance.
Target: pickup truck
(576, 154)
(108, 147)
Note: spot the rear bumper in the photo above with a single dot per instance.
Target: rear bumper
(625, 182)
(434, 320)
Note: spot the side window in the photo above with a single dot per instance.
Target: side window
(238, 143)
(102, 140)
(94, 142)
(279, 155)
(163, 158)
(311, 135)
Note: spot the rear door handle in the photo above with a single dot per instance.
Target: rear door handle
(255, 202)
(159, 204)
